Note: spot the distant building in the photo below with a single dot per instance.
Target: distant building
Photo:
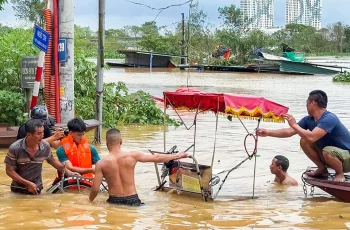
(270, 31)
(306, 12)
(258, 14)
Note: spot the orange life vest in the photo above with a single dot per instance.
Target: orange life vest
(79, 155)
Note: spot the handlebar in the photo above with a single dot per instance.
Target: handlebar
(172, 150)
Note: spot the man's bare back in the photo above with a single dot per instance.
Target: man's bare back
(118, 168)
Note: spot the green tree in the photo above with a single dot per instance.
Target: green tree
(280, 36)
(114, 41)
(303, 40)
(200, 40)
(30, 10)
(347, 38)
(85, 40)
(337, 31)
(295, 28)
(11, 107)
(232, 17)
(119, 106)
(132, 36)
(5, 29)
(235, 35)
(152, 40)
(14, 44)
(324, 44)
(114, 33)
(2, 2)
(251, 41)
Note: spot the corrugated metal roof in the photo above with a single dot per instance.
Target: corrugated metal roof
(306, 68)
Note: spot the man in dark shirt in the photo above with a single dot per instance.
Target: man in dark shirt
(324, 139)
(40, 112)
(25, 158)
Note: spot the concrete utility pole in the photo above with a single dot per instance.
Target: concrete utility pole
(188, 30)
(183, 60)
(66, 31)
(100, 69)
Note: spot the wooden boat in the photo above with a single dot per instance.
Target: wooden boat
(340, 190)
(90, 124)
(8, 134)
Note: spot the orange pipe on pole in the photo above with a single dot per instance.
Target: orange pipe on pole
(55, 60)
(48, 62)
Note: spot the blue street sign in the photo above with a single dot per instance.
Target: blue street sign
(62, 50)
(41, 38)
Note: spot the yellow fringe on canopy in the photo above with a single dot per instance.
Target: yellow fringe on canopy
(242, 113)
(254, 114)
(274, 119)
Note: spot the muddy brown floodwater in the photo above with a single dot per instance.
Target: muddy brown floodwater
(274, 206)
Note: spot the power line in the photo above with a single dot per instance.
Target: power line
(159, 9)
(162, 8)
(174, 23)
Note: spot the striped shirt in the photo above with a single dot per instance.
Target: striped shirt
(27, 166)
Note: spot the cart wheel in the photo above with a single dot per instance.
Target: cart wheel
(68, 185)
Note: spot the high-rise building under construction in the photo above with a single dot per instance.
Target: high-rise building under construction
(306, 12)
(258, 14)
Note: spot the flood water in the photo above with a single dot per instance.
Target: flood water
(273, 207)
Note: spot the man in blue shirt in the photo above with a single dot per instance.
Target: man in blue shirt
(324, 139)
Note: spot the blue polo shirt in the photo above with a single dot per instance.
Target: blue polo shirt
(62, 157)
(337, 134)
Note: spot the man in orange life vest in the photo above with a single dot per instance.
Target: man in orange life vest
(76, 151)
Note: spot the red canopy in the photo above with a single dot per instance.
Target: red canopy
(238, 105)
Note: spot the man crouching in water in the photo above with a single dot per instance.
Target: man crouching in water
(118, 169)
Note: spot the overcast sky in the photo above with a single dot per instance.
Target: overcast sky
(120, 13)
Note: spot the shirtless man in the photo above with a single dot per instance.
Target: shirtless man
(118, 169)
(279, 167)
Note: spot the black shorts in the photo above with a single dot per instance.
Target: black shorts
(132, 200)
(22, 191)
